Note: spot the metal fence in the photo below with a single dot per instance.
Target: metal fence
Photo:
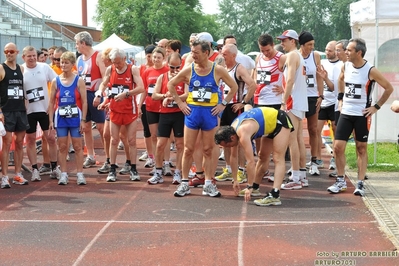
(22, 41)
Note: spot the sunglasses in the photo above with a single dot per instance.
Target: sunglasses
(56, 59)
(174, 67)
(45, 54)
(9, 51)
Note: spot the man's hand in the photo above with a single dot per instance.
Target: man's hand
(218, 109)
(236, 188)
(247, 196)
(96, 101)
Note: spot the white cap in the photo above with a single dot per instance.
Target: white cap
(205, 36)
(288, 34)
(220, 42)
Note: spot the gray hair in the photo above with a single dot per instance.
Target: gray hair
(85, 37)
(344, 43)
(28, 48)
(231, 48)
(360, 45)
(116, 52)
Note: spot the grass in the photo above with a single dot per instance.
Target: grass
(387, 157)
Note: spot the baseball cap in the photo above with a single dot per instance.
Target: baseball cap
(288, 34)
(205, 36)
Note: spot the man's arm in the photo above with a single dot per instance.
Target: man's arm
(384, 83)
(139, 88)
(319, 81)
(292, 64)
(251, 85)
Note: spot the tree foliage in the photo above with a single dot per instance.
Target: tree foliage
(143, 22)
(325, 19)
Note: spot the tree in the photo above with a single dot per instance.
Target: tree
(144, 22)
(325, 19)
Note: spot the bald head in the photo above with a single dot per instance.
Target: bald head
(330, 51)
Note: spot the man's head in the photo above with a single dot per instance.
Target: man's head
(205, 36)
(51, 50)
(356, 49)
(229, 39)
(162, 43)
(330, 51)
(57, 55)
(173, 46)
(340, 49)
(266, 45)
(148, 53)
(118, 58)
(193, 37)
(29, 55)
(11, 52)
(306, 41)
(200, 51)
(289, 40)
(220, 45)
(83, 41)
(174, 62)
(229, 53)
(105, 57)
(45, 54)
(226, 136)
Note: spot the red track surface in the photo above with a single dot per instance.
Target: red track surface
(134, 223)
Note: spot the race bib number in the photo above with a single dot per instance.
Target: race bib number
(35, 95)
(68, 111)
(353, 91)
(151, 89)
(264, 77)
(15, 93)
(202, 95)
(310, 81)
(86, 78)
(116, 89)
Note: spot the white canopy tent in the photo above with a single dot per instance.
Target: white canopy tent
(377, 22)
(114, 41)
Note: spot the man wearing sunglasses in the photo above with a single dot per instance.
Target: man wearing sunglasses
(12, 114)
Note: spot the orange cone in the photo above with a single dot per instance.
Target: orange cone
(326, 130)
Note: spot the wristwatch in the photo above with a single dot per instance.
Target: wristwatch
(224, 102)
(321, 96)
(243, 102)
(376, 106)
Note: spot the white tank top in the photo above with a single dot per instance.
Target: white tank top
(298, 100)
(330, 97)
(310, 66)
(268, 74)
(358, 89)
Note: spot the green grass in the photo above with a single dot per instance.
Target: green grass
(387, 157)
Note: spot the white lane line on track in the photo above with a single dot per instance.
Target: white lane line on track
(101, 232)
(190, 222)
(240, 242)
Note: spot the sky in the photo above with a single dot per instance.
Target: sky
(71, 10)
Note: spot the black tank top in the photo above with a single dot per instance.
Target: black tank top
(11, 90)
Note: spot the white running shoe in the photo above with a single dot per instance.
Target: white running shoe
(314, 169)
(63, 179)
(81, 180)
(143, 156)
(35, 175)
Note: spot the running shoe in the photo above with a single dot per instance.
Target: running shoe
(149, 163)
(225, 176)
(143, 156)
(5, 183)
(314, 169)
(111, 177)
(241, 177)
(359, 191)
(35, 175)
(125, 169)
(121, 147)
(319, 163)
(332, 164)
(333, 174)
(196, 182)
(56, 173)
(291, 185)
(89, 162)
(81, 180)
(71, 149)
(153, 171)
(44, 170)
(155, 179)
(338, 186)
(211, 190)
(176, 178)
(63, 179)
(182, 190)
(104, 169)
(268, 200)
(134, 175)
(166, 170)
(19, 179)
